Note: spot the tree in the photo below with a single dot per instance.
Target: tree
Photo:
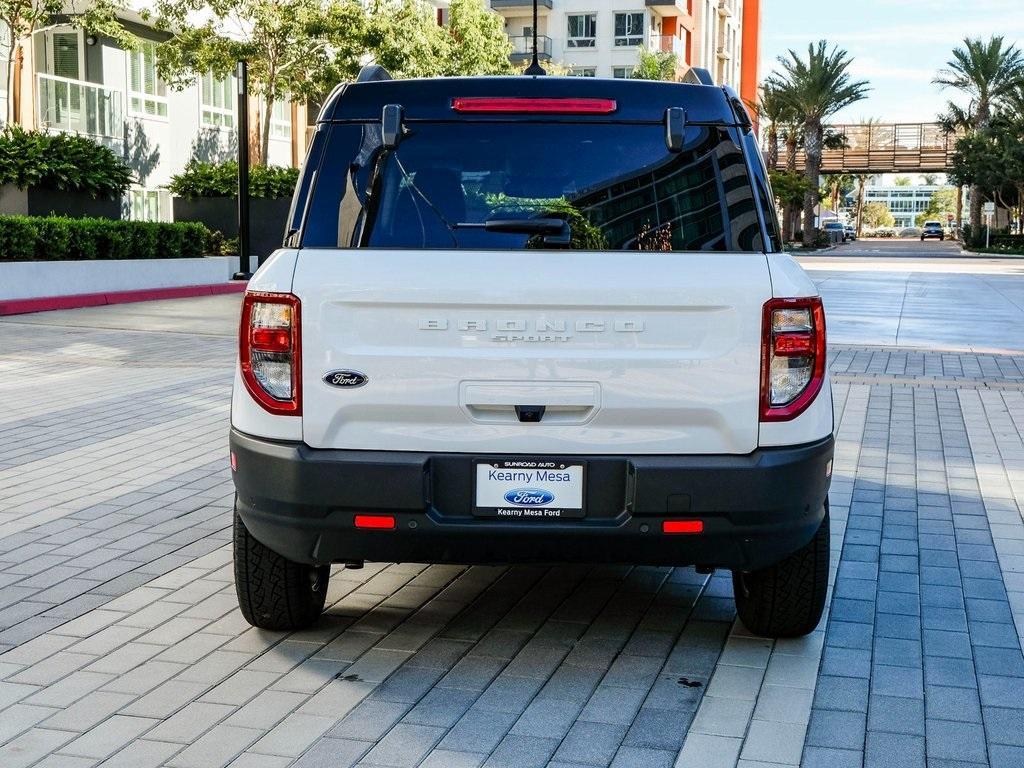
(877, 215)
(781, 127)
(296, 49)
(942, 204)
(837, 186)
(902, 181)
(989, 73)
(991, 160)
(478, 44)
(789, 188)
(816, 88)
(21, 18)
(403, 36)
(655, 65)
(929, 179)
(956, 120)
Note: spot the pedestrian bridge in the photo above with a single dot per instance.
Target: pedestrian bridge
(886, 148)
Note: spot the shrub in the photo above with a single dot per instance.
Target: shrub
(62, 162)
(221, 180)
(57, 238)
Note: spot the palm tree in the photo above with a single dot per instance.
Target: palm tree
(990, 73)
(957, 120)
(781, 125)
(817, 88)
(774, 110)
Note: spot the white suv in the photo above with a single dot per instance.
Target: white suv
(533, 319)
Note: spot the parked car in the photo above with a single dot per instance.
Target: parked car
(851, 233)
(933, 229)
(835, 230)
(521, 320)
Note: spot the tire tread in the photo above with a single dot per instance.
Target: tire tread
(787, 599)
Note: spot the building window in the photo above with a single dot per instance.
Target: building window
(147, 93)
(582, 30)
(629, 28)
(217, 101)
(622, 73)
(149, 204)
(281, 120)
(4, 52)
(583, 71)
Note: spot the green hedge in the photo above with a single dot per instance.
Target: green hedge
(56, 238)
(221, 180)
(62, 162)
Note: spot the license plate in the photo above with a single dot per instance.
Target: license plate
(529, 489)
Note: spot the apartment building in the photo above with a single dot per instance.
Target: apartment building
(602, 39)
(72, 81)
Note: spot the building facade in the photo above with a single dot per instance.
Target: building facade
(904, 202)
(603, 39)
(75, 82)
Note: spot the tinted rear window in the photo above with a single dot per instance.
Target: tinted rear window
(616, 185)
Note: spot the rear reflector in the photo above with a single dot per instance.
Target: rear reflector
(682, 526)
(271, 339)
(375, 521)
(498, 104)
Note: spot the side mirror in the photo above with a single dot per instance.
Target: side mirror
(675, 128)
(391, 128)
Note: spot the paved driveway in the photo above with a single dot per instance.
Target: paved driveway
(123, 645)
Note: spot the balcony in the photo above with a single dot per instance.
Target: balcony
(667, 44)
(501, 5)
(669, 7)
(522, 48)
(75, 106)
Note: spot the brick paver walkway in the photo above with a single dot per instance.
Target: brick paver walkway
(123, 645)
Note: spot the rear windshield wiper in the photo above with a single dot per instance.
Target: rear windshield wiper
(556, 231)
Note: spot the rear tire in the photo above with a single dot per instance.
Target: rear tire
(788, 598)
(273, 591)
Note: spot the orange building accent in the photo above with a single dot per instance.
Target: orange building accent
(750, 56)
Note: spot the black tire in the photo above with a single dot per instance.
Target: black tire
(788, 598)
(273, 591)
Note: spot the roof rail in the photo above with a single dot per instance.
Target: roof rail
(698, 76)
(372, 73)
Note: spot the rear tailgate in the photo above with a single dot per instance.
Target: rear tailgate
(628, 351)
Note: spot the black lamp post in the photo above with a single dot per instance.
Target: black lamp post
(244, 264)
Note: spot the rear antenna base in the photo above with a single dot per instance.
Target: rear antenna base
(535, 69)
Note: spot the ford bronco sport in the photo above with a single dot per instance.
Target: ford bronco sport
(532, 319)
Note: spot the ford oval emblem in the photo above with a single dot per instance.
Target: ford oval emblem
(350, 379)
(529, 497)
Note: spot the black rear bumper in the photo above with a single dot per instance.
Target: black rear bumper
(756, 508)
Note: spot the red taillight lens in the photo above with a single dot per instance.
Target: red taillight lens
(682, 526)
(792, 356)
(269, 351)
(381, 522)
(271, 339)
(498, 104)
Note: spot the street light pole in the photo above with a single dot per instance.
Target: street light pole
(244, 263)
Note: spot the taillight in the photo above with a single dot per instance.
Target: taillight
(510, 104)
(269, 347)
(792, 356)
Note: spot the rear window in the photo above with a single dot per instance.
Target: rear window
(491, 185)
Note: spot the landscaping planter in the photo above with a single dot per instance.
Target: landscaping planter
(35, 279)
(36, 201)
(267, 218)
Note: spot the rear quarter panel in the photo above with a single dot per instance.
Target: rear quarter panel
(275, 276)
(789, 280)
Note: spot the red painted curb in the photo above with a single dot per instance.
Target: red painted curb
(74, 301)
